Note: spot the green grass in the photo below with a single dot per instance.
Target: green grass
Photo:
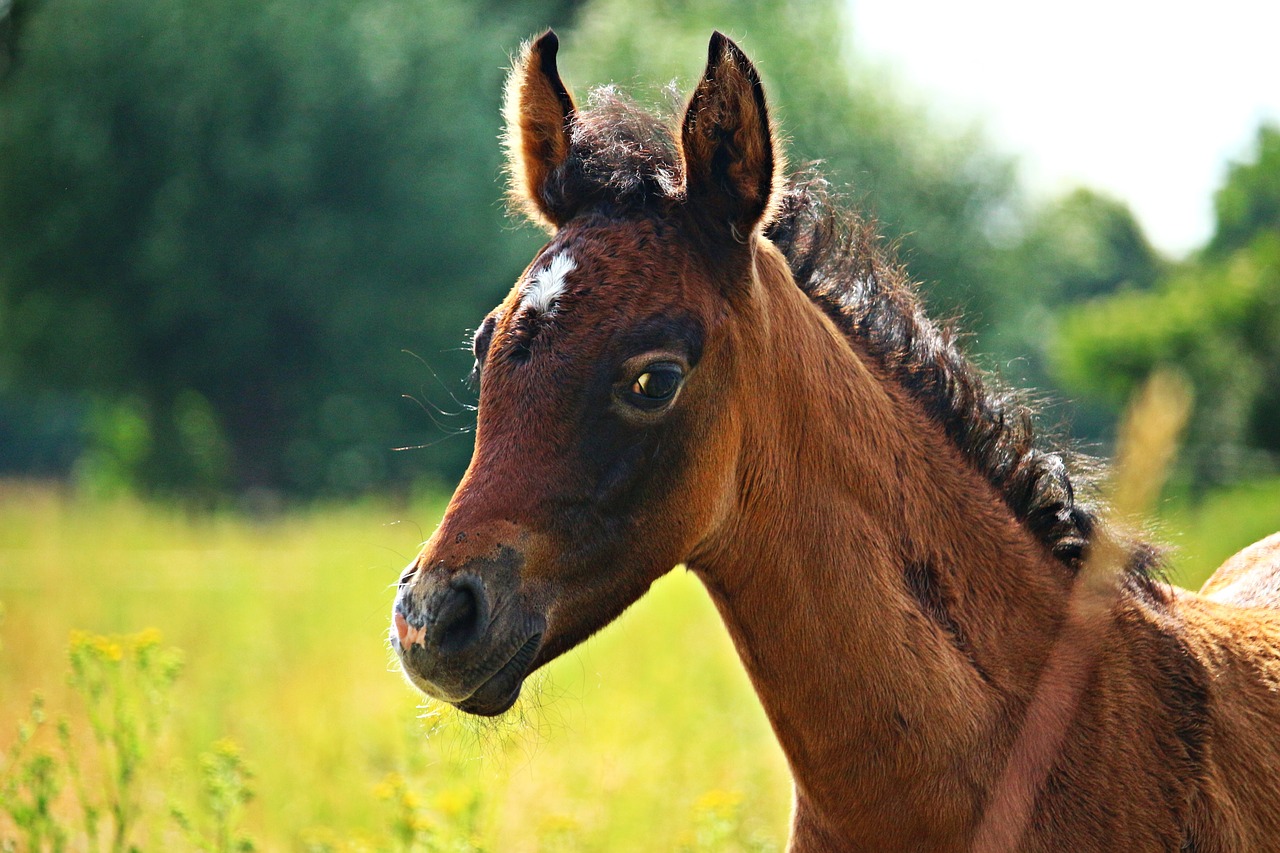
(1206, 533)
(646, 738)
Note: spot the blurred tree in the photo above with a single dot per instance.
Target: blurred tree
(226, 220)
(222, 222)
(1217, 318)
(1084, 245)
(13, 14)
(1249, 201)
(7, 36)
(1072, 248)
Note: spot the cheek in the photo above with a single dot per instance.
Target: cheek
(651, 490)
(619, 461)
(705, 491)
(690, 487)
(638, 469)
(622, 474)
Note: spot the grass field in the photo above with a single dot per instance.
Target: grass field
(647, 738)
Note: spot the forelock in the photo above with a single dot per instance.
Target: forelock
(622, 155)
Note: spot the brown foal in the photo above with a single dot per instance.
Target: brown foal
(711, 364)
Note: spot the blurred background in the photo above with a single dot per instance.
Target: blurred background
(242, 244)
(242, 248)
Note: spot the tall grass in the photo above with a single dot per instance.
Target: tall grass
(647, 738)
(288, 727)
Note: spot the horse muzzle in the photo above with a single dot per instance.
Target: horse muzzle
(460, 632)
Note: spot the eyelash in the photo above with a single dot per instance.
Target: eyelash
(479, 347)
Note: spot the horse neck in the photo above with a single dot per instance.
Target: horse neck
(890, 611)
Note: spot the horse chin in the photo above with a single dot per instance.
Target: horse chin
(491, 700)
(501, 690)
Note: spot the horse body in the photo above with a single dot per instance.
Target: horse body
(699, 368)
(1238, 645)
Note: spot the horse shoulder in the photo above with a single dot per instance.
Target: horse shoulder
(1234, 635)
(1183, 726)
(1250, 578)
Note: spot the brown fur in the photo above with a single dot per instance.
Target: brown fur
(538, 111)
(728, 157)
(890, 550)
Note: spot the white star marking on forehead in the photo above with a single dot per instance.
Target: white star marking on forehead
(546, 285)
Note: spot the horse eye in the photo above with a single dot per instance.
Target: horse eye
(657, 385)
(484, 334)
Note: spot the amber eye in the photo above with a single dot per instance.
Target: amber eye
(656, 386)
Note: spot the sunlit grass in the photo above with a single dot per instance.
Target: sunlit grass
(283, 623)
(1205, 533)
(647, 738)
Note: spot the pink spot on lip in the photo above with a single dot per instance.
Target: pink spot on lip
(409, 636)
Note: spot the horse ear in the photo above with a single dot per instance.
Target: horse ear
(727, 144)
(539, 114)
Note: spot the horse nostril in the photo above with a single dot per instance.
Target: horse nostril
(460, 615)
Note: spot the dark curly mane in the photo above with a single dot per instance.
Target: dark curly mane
(626, 158)
(838, 259)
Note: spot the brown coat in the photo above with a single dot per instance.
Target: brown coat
(709, 364)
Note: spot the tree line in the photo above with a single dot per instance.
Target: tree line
(242, 243)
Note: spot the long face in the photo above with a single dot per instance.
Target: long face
(601, 453)
(606, 442)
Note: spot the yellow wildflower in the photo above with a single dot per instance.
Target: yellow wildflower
(453, 802)
(719, 801)
(387, 788)
(147, 638)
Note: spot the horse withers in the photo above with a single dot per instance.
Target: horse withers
(710, 363)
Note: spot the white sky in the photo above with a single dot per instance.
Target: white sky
(1147, 101)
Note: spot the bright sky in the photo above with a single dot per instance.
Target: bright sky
(1147, 101)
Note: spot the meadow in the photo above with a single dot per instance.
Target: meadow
(285, 726)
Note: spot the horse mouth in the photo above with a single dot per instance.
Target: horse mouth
(499, 691)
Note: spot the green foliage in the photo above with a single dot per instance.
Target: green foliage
(634, 745)
(30, 784)
(244, 253)
(1249, 201)
(718, 826)
(125, 683)
(1217, 318)
(449, 825)
(226, 788)
(283, 623)
(233, 229)
(1081, 246)
(1071, 249)
(1205, 530)
(227, 236)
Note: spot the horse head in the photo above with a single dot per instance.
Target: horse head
(612, 380)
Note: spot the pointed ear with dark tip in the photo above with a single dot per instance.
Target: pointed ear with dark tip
(539, 115)
(727, 144)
